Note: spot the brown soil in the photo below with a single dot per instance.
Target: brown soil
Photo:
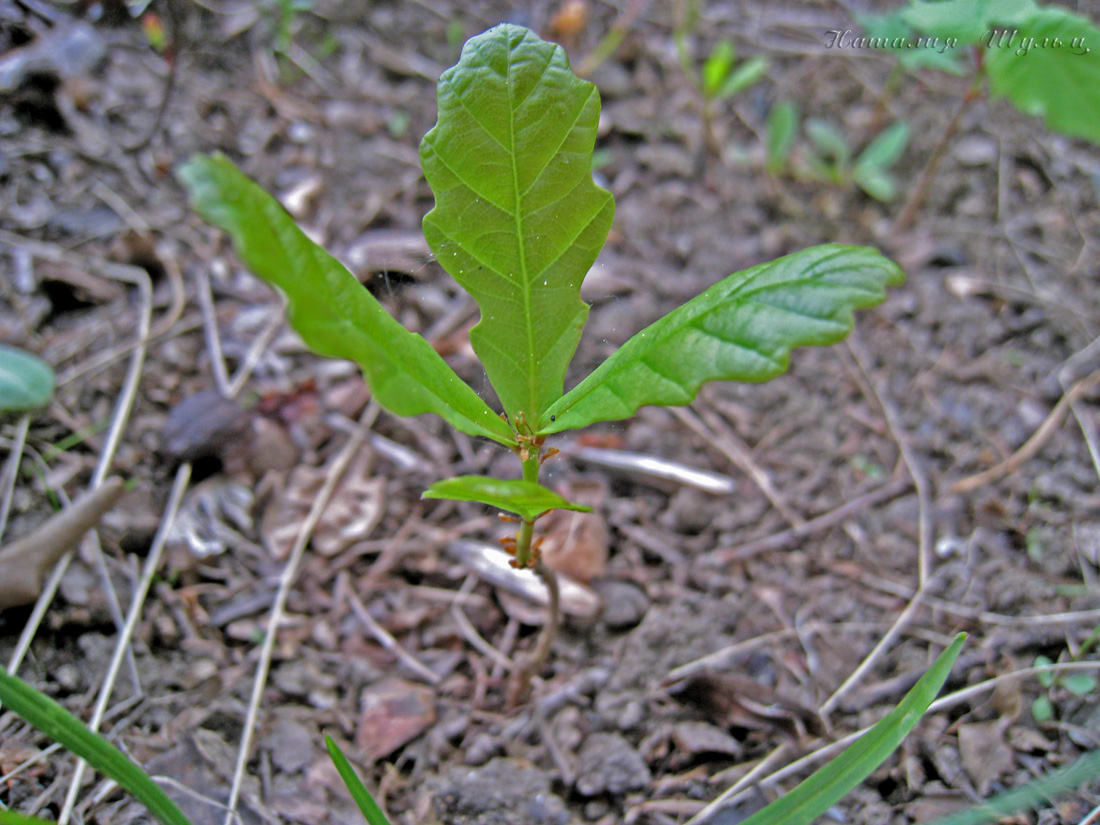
(844, 468)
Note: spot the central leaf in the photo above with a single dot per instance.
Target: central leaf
(518, 219)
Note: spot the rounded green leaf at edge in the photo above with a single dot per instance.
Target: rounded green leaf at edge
(527, 499)
(26, 381)
(1060, 85)
(518, 219)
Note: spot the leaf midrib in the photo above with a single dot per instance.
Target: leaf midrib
(525, 286)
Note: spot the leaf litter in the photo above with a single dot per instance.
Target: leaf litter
(958, 359)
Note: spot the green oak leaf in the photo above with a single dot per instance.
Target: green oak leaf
(527, 499)
(26, 381)
(742, 328)
(330, 309)
(1060, 84)
(518, 219)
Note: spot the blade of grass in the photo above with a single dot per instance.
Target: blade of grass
(358, 790)
(12, 818)
(827, 786)
(1031, 795)
(48, 716)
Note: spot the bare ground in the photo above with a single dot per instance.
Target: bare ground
(781, 616)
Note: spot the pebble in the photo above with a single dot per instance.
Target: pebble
(506, 791)
(625, 604)
(975, 150)
(608, 764)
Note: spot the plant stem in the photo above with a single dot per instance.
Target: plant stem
(521, 680)
(912, 206)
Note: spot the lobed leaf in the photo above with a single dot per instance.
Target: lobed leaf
(518, 219)
(330, 309)
(26, 381)
(829, 784)
(742, 328)
(528, 499)
(50, 718)
(1059, 83)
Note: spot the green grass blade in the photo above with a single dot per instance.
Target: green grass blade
(829, 784)
(48, 716)
(355, 785)
(330, 309)
(1032, 795)
(518, 219)
(1060, 85)
(742, 328)
(12, 818)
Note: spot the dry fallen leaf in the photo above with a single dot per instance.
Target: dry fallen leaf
(393, 712)
(573, 543)
(24, 563)
(985, 754)
(353, 512)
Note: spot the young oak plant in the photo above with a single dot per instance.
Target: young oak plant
(518, 221)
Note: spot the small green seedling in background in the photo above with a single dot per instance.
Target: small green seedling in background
(720, 77)
(799, 807)
(1079, 684)
(26, 381)
(1044, 59)
(781, 133)
(831, 158)
(285, 17)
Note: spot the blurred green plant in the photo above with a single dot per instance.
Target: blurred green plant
(26, 381)
(1081, 685)
(720, 76)
(832, 158)
(781, 133)
(1044, 59)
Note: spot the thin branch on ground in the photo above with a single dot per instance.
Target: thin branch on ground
(924, 540)
(1034, 444)
(818, 524)
(120, 417)
(716, 434)
(10, 473)
(122, 645)
(386, 639)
